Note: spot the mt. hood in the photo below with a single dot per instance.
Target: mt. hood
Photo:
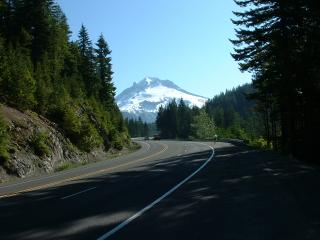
(144, 98)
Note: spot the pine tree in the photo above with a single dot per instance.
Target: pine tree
(265, 47)
(34, 16)
(4, 141)
(21, 84)
(279, 42)
(44, 86)
(183, 120)
(87, 64)
(104, 69)
(4, 71)
(145, 130)
(41, 70)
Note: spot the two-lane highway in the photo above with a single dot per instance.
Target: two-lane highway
(92, 201)
(170, 190)
(26, 185)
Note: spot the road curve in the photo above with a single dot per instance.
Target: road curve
(147, 150)
(86, 202)
(244, 193)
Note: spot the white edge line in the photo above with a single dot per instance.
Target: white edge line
(149, 146)
(138, 214)
(86, 190)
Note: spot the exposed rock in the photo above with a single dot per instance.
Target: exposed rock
(23, 126)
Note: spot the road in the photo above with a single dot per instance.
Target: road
(169, 190)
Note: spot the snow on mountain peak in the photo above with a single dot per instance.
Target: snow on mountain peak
(148, 80)
(144, 98)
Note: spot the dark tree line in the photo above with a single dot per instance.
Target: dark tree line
(234, 114)
(68, 82)
(137, 128)
(278, 41)
(178, 120)
(228, 115)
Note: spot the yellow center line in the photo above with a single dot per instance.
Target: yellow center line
(85, 175)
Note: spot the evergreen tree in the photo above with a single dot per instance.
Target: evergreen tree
(4, 142)
(87, 64)
(137, 128)
(104, 69)
(21, 84)
(145, 130)
(279, 42)
(4, 71)
(184, 119)
(69, 83)
(44, 86)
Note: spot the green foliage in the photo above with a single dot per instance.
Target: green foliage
(227, 115)
(89, 137)
(137, 128)
(64, 166)
(68, 82)
(259, 143)
(234, 114)
(79, 129)
(44, 87)
(4, 142)
(40, 144)
(184, 119)
(117, 143)
(68, 165)
(107, 89)
(71, 124)
(21, 85)
(87, 64)
(167, 120)
(203, 126)
(278, 42)
(184, 122)
(4, 68)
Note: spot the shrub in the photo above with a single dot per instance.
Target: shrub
(71, 124)
(64, 166)
(90, 127)
(4, 142)
(89, 137)
(203, 126)
(259, 143)
(117, 143)
(40, 144)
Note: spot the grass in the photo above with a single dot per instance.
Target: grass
(259, 143)
(68, 165)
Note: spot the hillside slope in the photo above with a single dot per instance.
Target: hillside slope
(67, 81)
(38, 146)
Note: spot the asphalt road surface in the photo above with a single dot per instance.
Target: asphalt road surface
(169, 190)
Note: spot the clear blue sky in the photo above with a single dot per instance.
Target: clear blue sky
(185, 41)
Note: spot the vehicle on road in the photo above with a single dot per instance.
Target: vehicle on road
(156, 137)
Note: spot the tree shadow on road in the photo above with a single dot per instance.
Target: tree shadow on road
(243, 194)
(42, 214)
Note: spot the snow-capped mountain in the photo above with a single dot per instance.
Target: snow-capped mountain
(144, 98)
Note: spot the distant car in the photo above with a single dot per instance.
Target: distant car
(146, 138)
(156, 137)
